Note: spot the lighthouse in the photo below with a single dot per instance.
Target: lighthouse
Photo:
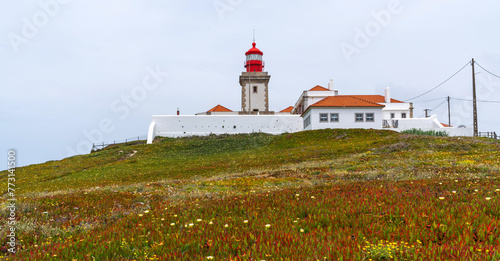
(254, 83)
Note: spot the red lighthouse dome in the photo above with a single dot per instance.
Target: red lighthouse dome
(254, 61)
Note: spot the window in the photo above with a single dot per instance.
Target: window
(370, 117)
(334, 117)
(255, 89)
(359, 117)
(393, 115)
(307, 121)
(403, 115)
(323, 117)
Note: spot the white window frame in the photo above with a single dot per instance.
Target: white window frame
(373, 116)
(359, 114)
(326, 117)
(338, 117)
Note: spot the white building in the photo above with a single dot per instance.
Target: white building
(317, 108)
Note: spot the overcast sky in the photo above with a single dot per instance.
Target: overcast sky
(69, 66)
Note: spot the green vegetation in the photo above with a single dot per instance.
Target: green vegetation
(315, 195)
(428, 133)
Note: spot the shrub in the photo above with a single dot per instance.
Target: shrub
(428, 133)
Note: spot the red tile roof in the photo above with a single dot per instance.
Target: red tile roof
(375, 98)
(219, 108)
(345, 101)
(288, 109)
(319, 88)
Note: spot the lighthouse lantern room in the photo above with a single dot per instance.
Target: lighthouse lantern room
(254, 83)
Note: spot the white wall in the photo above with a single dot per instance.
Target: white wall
(346, 118)
(255, 100)
(201, 125)
(397, 109)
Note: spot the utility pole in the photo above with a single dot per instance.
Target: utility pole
(449, 114)
(426, 113)
(474, 104)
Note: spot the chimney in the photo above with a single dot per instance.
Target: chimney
(336, 92)
(411, 109)
(178, 112)
(387, 95)
(330, 85)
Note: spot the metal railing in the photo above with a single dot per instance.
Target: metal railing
(390, 124)
(492, 135)
(134, 141)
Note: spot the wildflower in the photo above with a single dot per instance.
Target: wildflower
(268, 225)
(295, 221)
(198, 220)
(245, 221)
(162, 219)
(497, 190)
(172, 224)
(210, 223)
(191, 224)
(146, 211)
(210, 257)
(297, 195)
(226, 225)
(488, 198)
(441, 198)
(140, 215)
(301, 230)
(454, 192)
(312, 197)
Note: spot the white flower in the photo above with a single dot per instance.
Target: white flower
(172, 224)
(297, 195)
(245, 221)
(210, 223)
(146, 211)
(301, 230)
(454, 192)
(488, 198)
(210, 257)
(226, 225)
(268, 226)
(191, 224)
(198, 220)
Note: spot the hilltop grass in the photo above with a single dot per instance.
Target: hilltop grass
(327, 195)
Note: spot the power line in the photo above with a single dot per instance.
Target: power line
(468, 63)
(458, 99)
(429, 100)
(487, 70)
(439, 105)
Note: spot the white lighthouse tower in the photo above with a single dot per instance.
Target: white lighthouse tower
(254, 84)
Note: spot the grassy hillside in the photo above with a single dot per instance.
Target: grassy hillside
(334, 194)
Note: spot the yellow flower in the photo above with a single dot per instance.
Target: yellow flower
(198, 220)
(226, 225)
(488, 198)
(268, 225)
(441, 198)
(301, 230)
(172, 224)
(245, 221)
(140, 215)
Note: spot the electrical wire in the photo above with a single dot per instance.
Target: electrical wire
(458, 99)
(486, 70)
(430, 100)
(439, 105)
(439, 85)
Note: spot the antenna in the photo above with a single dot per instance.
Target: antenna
(254, 35)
